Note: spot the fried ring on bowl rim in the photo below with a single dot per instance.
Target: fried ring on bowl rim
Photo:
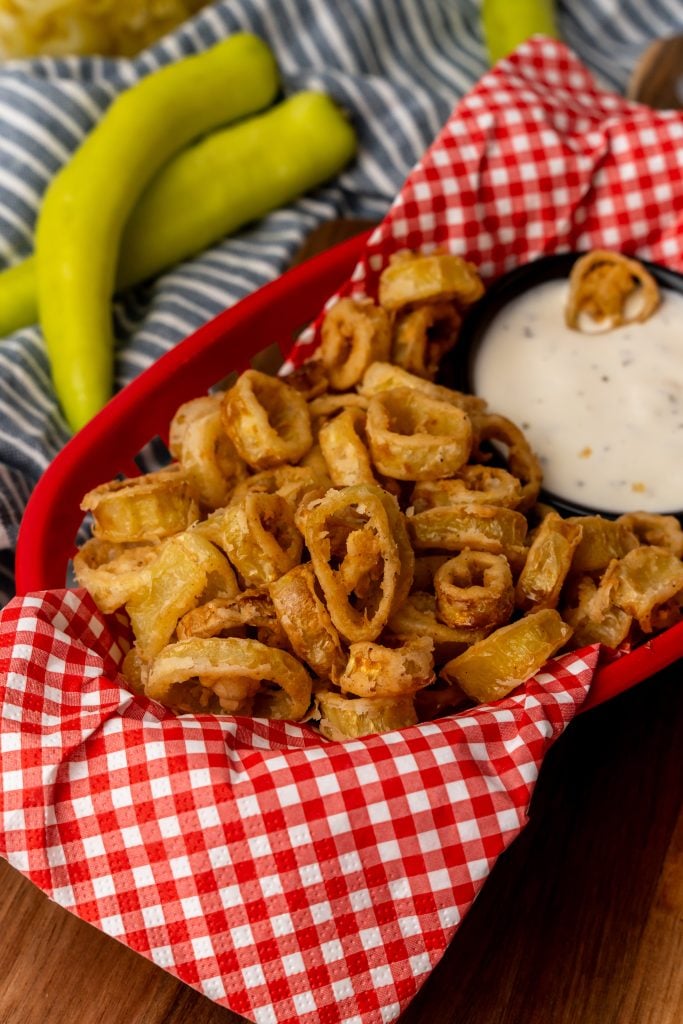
(267, 421)
(603, 283)
(415, 437)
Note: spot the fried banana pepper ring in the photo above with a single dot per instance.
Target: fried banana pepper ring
(327, 406)
(492, 668)
(307, 623)
(376, 671)
(603, 284)
(342, 442)
(186, 414)
(521, 460)
(501, 531)
(344, 718)
(229, 616)
(267, 421)
(235, 671)
(439, 276)
(473, 485)
(145, 508)
(187, 569)
(414, 437)
(417, 617)
(592, 615)
(642, 581)
(218, 617)
(650, 528)
(291, 482)
(422, 336)
(381, 377)
(474, 589)
(548, 563)
(601, 541)
(354, 333)
(208, 458)
(310, 380)
(361, 556)
(259, 536)
(111, 573)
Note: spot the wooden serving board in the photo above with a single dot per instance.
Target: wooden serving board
(581, 921)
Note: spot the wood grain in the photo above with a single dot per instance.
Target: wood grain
(657, 78)
(581, 921)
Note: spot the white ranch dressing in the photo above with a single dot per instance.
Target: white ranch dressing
(604, 412)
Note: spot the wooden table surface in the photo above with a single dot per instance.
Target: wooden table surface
(581, 921)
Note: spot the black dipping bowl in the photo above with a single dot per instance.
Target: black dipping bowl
(457, 370)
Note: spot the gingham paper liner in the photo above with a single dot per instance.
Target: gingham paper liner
(288, 878)
(535, 160)
(285, 877)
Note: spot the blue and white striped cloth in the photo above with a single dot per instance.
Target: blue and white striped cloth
(397, 66)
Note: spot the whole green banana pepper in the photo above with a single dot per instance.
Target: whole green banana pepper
(231, 177)
(88, 203)
(507, 23)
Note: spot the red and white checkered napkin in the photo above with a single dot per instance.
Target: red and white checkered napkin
(535, 160)
(286, 877)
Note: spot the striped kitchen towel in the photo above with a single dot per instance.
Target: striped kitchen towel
(396, 66)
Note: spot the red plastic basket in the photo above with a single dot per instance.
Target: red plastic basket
(143, 410)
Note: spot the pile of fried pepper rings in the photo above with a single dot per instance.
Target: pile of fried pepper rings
(157, 180)
(342, 545)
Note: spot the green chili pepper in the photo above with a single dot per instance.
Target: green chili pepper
(229, 178)
(87, 205)
(18, 302)
(507, 23)
(232, 177)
